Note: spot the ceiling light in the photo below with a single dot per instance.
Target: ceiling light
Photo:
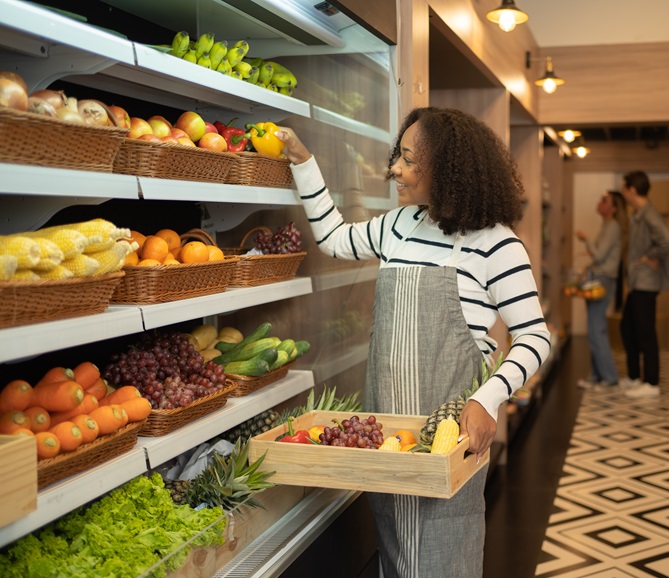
(569, 135)
(549, 81)
(579, 149)
(507, 15)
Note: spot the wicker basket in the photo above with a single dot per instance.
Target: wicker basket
(88, 455)
(170, 161)
(252, 270)
(164, 421)
(27, 138)
(24, 302)
(258, 170)
(245, 384)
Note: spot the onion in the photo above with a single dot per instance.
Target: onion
(39, 106)
(12, 95)
(15, 77)
(55, 98)
(69, 115)
(93, 112)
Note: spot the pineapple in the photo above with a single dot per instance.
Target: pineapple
(258, 424)
(327, 401)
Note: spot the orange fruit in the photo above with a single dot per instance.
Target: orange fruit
(171, 262)
(215, 254)
(175, 252)
(137, 236)
(408, 447)
(405, 437)
(171, 238)
(148, 263)
(194, 252)
(132, 258)
(155, 248)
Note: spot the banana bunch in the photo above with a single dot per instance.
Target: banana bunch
(272, 75)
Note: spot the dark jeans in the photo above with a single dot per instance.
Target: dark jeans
(639, 336)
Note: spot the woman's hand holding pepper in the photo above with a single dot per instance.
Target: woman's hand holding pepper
(479, 426)
(294, 150)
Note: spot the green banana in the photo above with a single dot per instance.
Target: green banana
(243, 45)
(273, 87)
(204, 60)
(217, 52)
(190, 56)
(266, 72)
(254, 61)
(244, 68)
(235, 74)
(280, 68)
(234, 56)
(287, 90)
(204, 43)
(253, 77)
(262, 84)
(224, 66)
(283, 80)
(180, 44)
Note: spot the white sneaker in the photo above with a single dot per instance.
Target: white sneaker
(643, 391)
(587, 383)
(627, 383)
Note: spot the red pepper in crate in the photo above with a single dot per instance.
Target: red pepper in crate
(301, 436)
(236, 138)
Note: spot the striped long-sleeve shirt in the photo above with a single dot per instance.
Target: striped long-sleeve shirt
(494, 274)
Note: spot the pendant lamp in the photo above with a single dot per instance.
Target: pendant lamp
(507, 16)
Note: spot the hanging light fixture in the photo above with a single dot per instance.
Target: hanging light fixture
(507, 16)
(579, 148)
(569, 135)
(549, 81)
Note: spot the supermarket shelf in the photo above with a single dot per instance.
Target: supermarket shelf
(237, 409)
(327, 368)
(231, 300)
(344, 278)
(17, 343)
(274, 550)
(64, 496)
(335, 119)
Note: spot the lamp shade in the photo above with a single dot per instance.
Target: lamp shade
(507, 16)
(549, 81)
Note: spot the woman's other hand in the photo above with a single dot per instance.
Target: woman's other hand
(294, 150)
(479, 426)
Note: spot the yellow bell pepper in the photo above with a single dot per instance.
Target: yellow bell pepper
(316, 431)
(264, 140)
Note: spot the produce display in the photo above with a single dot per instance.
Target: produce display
(84, 249)
(232, 60)
(164, 247)
(123, 534)
(286, 239)
(588, 290)
(68, 408)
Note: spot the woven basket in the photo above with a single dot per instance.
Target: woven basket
(252, 270)
(170, 161)
(24, 302)
(88, 455)
(258, 170)
(245, 384)
(164, 421)
(27, 138)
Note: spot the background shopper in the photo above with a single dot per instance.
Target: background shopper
(648, 248)
(449, 266)
(605, 252)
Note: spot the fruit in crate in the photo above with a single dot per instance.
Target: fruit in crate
(327, 401)
(192, 124)
(213, 141)
(121, 115)
(286, 239)
(139, 127)
(354, 433)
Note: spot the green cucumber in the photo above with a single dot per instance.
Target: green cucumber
(252, 367)
(225, 346)
(260, 332)
(286, 345)
(252, 349)
(302, 347)
(269, 354)
(281, 359)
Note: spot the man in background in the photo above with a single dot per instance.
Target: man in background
(648, 247)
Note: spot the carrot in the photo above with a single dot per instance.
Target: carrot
(12, 420)
(69, 435)
(16, 394)
(137, 409)
(122, 412)
(86, 374)
(48, 445)
(90, 429)
(108, 419)
(39, 418)
(98, 389)
(58, 396)
(23, 431)
(120, 395)
(87, 405)
(56, 374)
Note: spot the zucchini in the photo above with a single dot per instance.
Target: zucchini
(224, 346)
(259, 332)
(286, 345)
(281, 359)
(235, 354)
(302, 347)
(252, 349)
(251, 367)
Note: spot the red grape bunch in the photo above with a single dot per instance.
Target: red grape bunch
(166, 369)
(353, 433)
(285, 240)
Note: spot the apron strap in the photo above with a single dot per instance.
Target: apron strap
(457, 245)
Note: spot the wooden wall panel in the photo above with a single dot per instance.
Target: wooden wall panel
(608, 84)
(413, 55)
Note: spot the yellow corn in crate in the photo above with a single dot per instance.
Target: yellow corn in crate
(26, 251)
(82, 265)
(50, 255)
(8, 266)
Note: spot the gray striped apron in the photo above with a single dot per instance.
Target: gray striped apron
(422, 354)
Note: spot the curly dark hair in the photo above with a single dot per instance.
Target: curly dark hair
(474, 179)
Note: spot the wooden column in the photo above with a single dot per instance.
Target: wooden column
(413, 55)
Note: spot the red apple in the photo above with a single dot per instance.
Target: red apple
(220, 127)
(185, 141)
(193, 124)
(178, 133)
(122, 116)
(214, 142)
(160, 127)
(208, 127)
(158, 117)
(138, 127)
(149, 137)
(169, 139)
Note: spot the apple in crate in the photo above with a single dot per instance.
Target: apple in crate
(208, 127)
(192, 124)
(214, 142)
(160, 126)
(138, 127)
(150, 138)
(122, 116)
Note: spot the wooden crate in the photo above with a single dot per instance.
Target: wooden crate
(418, 474)
(18, 477)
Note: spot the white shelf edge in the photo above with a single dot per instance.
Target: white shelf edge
(17, 343)
(64, 496)
(339, 120)
(230, 300)
(335, 279)
(236, 410)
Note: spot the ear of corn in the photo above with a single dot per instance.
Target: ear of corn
(390, 444)
(50, 255)
(113, 259)
(26, 251)
(8, 266)
(58, 272)
(104, 233)
(82, 265)
(70, 241)
(446, 436)
(25, 275)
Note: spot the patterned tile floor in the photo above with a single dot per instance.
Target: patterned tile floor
(610, 516)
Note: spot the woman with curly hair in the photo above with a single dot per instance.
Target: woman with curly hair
(450, 264)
